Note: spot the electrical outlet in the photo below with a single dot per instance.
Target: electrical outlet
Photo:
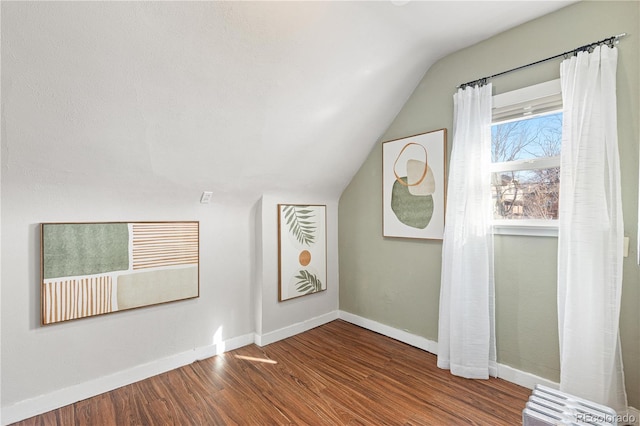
(625, 247)
(206, 197)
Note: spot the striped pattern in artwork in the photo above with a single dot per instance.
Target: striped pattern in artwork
(76, 298)
(164, 244)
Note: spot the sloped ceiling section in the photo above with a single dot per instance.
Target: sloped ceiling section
(240, 98)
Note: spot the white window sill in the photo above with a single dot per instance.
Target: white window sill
(536, 228)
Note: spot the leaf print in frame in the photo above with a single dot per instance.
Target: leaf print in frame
(308, 282)
(300, 220)
(301, 250)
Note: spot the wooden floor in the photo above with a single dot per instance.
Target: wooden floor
(336, 374)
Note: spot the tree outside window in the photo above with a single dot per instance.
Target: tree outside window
(526, 167)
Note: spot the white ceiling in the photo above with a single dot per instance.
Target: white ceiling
(239, 98)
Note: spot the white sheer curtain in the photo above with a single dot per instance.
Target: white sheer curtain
(466, 338)
(590, 231)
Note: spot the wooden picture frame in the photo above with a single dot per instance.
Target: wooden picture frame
(414, 186)
(302, 250)
(90, 269)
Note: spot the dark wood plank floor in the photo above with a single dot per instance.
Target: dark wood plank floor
(336, 374)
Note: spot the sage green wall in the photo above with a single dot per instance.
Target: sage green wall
(397, 281)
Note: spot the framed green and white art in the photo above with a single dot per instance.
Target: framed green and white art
(302, 250)
(414, 186)
(92, 269)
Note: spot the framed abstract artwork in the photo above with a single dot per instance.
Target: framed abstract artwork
(302, 250)
(414, 186)
(92, 269)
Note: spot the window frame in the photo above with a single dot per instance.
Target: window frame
(531, 101)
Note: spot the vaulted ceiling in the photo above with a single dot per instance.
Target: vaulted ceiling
(239, 98)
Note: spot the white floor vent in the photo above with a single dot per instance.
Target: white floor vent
(549, 407)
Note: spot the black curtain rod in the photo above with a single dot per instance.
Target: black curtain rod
(610, 41)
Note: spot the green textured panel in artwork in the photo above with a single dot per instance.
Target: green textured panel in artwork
(412, 210)
(84, 249)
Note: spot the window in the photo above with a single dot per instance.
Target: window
(526, 138)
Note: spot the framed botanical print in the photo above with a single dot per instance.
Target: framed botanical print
(302, 250)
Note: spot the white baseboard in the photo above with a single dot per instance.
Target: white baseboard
(292, 330)
(523, 378)
(400, 335)
(225, 346)
(59, 398)
(502, 371)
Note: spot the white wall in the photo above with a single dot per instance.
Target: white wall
(60, 363)
(278, 320)
(40, 360)
(100, 123)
